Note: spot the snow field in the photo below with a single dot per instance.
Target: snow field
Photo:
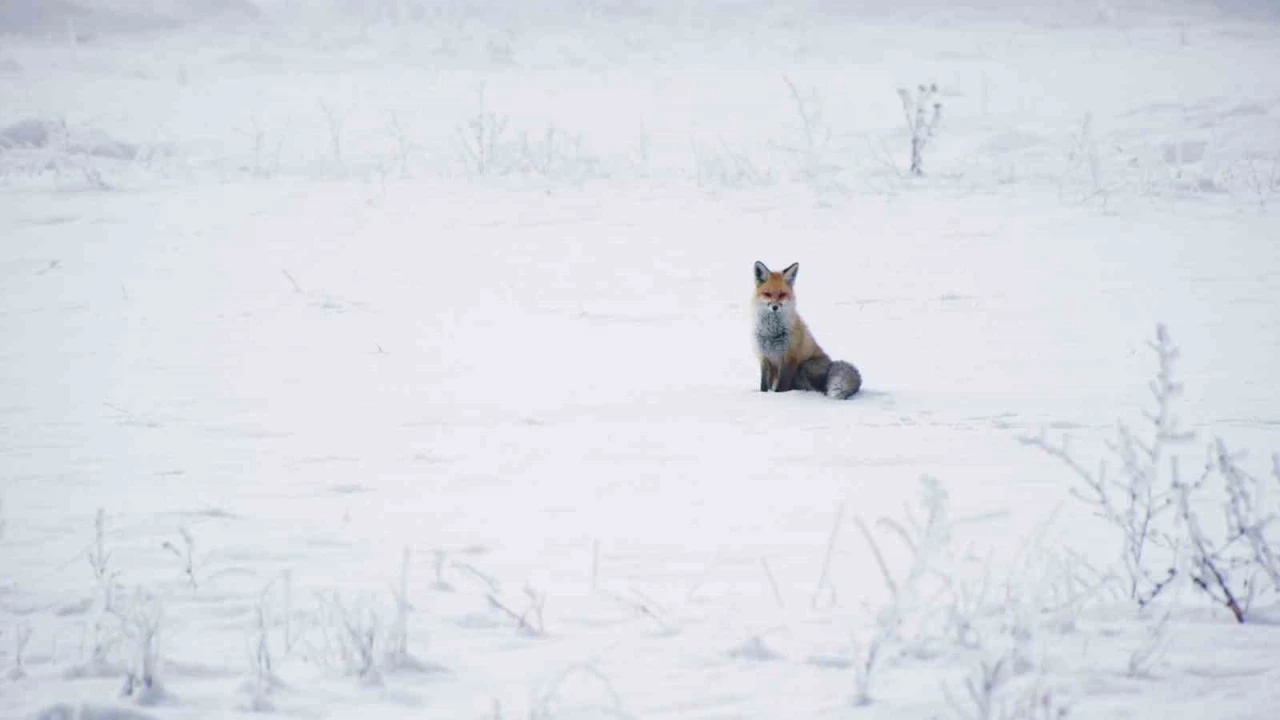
(538, 378)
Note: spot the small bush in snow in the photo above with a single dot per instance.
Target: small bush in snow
(405, 146)
(557, 155)
(482, 141)
(99, 642)
(1263, 179)
(927, 542)
(724, 166)
(266, 148)
(812, 157)
(993, 691)
(1085, 166)
(487, 146)
(981, 687)
(397, 655)
(366, 647)
(262, 680)
(1164, 532)
(104, 636)
(141, 620)
(1228, 561)
(923, 113)
(357, 630)
(272, 638)
(1140, 503)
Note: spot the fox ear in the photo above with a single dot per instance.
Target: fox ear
(790, 273)
(762, 272)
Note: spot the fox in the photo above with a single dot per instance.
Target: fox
(790, 357)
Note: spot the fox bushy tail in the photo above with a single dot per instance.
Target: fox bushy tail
(843, 380)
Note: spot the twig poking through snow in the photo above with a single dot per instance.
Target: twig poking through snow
(20, 640)
(1155, 639)
(983, 697)
(439, 560)
(266, 160)
(404, 146)
(537, 601)
(865, 661)
(397, 655)
(398, 652)
(825, 590)
(879, 556)
(296, 287)
(642, 606)
(259, 686)
(613, 707)
(334, 124)
(187, 555)
(1084, 154)
(286, 600)
(595, 565)
(490, 584)
(99, 560)
(980, 690)
(773, 583)
(530, 620)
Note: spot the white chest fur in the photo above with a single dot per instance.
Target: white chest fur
(773, 335)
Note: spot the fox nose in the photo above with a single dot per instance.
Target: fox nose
(774, 307)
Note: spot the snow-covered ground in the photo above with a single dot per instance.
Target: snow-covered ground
(453, 310)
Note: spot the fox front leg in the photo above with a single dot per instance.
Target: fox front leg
(766, 375)
(787, 377)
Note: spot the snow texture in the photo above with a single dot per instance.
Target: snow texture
(395, 359)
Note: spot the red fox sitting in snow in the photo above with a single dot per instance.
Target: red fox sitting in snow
(789, 356)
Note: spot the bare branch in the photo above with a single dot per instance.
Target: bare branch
(875, 550)
(824, 583)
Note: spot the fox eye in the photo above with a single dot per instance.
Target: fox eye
(767, 296)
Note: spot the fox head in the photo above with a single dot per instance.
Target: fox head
(775, 291)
